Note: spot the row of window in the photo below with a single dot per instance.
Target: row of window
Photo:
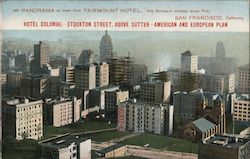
(241, 104)
(29, 108)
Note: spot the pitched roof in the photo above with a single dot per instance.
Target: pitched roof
(203, 124)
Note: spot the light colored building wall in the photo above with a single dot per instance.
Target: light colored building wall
(67, 73)
(140, 116)
(135, 118)
(154, 119)
(171, 120)
(189, 62)
(243, 79)
(166, 91)
(241, 109)
(85, 149)
(103, 75)
(27, 118)
(77, 109)
(3, 79)
(120, 152)
(66, 147)
(63, 111)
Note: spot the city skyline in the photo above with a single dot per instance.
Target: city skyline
(166, 46)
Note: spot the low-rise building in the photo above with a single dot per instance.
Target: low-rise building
(113, 151)
(199, 129)
(66, 147)
(224, 147)
(22, 118)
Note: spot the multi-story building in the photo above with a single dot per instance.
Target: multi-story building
(211, 120)
(138, 74)
(41, 57)
(5, 63)
(189, 62)
(41, 53)
(96, 97)
(59, 61)
(134, 118)
(66, 89)
(188, 105)
(52, 87)
(241, 108)
(219, 83)
(21, 63)
(155, 91)
(188, 81)
(85, 77)
(66, 147)
(13, 80)
(67, 74)
(224, 147)
(60, 112)
(120, 70)
(243, 79)
(174, 76)
(33, 86)
(22, 118)
(3, 80)
(86, 57)
(106, 48)
(141, 116)
(102, 74)
(112, 100)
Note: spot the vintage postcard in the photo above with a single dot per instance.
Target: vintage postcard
(155, 79)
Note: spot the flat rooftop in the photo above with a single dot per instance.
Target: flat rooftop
(64, 141)
(229, 141)
(16, 100)
(244, 97)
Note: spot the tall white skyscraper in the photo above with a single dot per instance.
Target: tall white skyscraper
(106, 48)
(189, 62)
